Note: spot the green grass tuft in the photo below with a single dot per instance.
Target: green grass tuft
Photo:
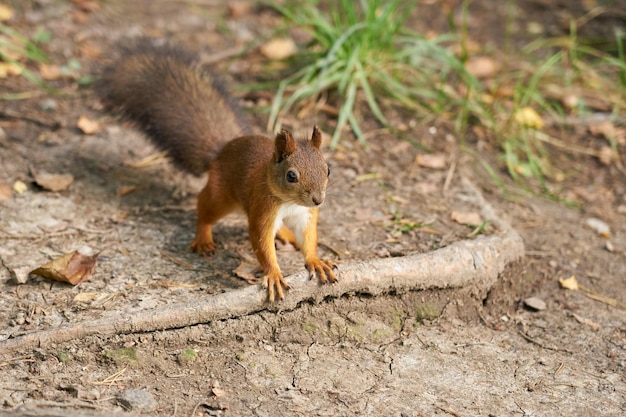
(362, 52)
(16, 48)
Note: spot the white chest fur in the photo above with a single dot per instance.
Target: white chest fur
(295, 217)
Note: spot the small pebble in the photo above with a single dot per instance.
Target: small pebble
(535, 303)
(49, 104)
(137, 400)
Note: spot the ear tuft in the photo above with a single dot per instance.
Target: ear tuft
(316, 137)
(285, 145)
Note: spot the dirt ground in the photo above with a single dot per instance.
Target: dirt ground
(450, 351)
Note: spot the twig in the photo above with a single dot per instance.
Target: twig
(22, 359)
(335, 251)
(111, 379)
(541, 345)
(7, 114)
(445, 410)
(566, 146)
(222, 55)
(449, 176)
(193, 412)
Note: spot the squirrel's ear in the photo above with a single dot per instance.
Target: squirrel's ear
(316, 137)
(285, 145)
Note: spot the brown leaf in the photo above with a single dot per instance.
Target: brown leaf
(426, 187)
(88, 126)
(123, 190)
(19, 274)
(9, 68)
(482, 67)
(605, 155)
(433, 161)
(90, 50)
(6, 13)
(246, 271)
(608, 130)
(218, 392)
(279, 48)
(87, 5)
(570, 283)
(20, 187)
(528, 117)
(238, 8)
(50, 71)
(53, 182)
(5, 192)
(466, 217)
(72, 268)
(86, 297)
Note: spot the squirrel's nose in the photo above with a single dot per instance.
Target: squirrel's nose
(317, 200)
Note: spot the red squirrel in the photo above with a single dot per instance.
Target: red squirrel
(279, 183)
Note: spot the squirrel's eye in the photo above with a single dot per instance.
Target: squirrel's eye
(291, 176)
(328, 173)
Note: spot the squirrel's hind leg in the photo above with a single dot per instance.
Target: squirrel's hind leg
(286, 236)
(213, 204)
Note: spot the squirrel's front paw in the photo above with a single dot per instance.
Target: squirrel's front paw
(203, 248)
(275, 283)
(324, 269)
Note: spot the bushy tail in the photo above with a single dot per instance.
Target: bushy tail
(180, 106)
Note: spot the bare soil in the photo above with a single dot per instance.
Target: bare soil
(450, 351)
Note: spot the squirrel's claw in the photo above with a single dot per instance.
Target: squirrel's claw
(324, 269)
(203, 248)
(275, 283)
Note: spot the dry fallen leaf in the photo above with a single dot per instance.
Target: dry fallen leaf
(570, 101)
(90, 50)
(6, 13)
(246, 271)
(218, 392)
(426, 187)
(5, 192)
(9, 68)
(605, 155)
(238, 8)
(279, 48)
(50, 71)
(569, 283)
(19, 274)
(54, 226)
(482, 66)
(466, 217)
(528, 117)
(19, 187)
(53, 182)
(88, 126)
(433, 161)
(86, 297)
(72, 268)
(123, 190)
(608, 130)
(87, 5)
(156, 158)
